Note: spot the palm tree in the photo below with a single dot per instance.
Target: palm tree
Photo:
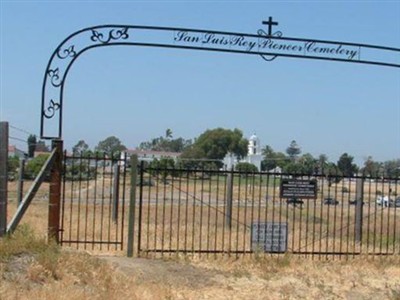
(168, 133)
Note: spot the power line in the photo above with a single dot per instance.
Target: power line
(21, 130)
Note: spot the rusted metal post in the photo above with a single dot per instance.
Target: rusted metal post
(359, 208)
(55, 192)
(229, 198)
(132, 204)
(3, 176)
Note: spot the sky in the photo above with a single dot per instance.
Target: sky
(136, 93)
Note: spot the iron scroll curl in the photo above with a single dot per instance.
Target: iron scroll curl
(267, 46)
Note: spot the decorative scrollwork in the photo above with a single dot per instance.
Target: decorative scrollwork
(262, 33)
(69, 52)
(51, 109)
(113, 35)
(54, 77)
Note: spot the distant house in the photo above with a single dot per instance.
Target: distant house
(150, 155)
(14, 151)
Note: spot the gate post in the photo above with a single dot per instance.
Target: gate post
(229, 196)
(55, 192)
(132, 205)
(3, 176)
(359, 208)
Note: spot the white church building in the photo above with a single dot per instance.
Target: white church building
(254, 155)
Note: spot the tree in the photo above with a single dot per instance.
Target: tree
(111, 145)
(31, 145)
(392, 168)
(308, 164)
(269, 161)
(81, 148)
(273, 159)
(167, 145)
(371, 167)
(34, 166)
(246, 167)
(214, 144)
(293, 150)
(322, 163)
(164, 166)
(346, 166)
(12, 166)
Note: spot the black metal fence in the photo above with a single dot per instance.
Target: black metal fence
(94, 202)
(208, 212)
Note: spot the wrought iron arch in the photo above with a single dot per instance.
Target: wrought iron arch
(269, 45)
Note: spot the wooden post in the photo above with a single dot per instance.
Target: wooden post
(3, 176)
(229, 197)
(359, 208)
(55, 192)
(132, 204)
(20, 187)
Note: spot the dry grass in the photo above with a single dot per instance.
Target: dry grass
(32, 269)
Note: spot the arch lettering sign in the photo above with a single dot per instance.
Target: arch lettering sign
(265, 44)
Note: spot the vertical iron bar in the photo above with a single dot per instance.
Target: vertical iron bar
(139, 242)
(229, 195)
(156, 213)
(164, 203)
(171, 212)
(381, 223)
(201, 209)
(132, 205)
(79, 200)
(395, 216)
(94, 199)
(209, 213)
(122, 237)
(239, 198)
(388, 217)
(63, 196)
(186, 210)
(359, 208)
(87, 203)
(245, 210)
(369, 216)
(224, 211)
(110, 201)
(115, 193)
(334, 217)
(216, 215)
(179, 209)
(71, 211)
(20, 187)
(194, 210)
(102, 200)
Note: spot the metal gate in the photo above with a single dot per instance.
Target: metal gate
(212, 211)
(93, 202)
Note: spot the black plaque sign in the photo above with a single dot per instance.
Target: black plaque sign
(295, 188)
(269, 237)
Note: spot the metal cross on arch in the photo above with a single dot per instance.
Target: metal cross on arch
(267, 45)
